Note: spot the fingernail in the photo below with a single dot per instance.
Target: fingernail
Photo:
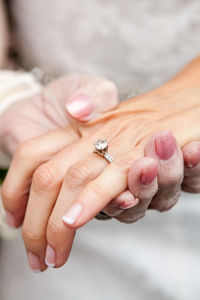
(192, 159)
(73, 213)
(128, 204)
(79, 106)
(165, 145)
(10, 219)
(50, 257)
(148, 175)
(124, 201)
(34, 262)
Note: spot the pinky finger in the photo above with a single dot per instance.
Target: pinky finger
(142, 182)
(191, 154)
(121, 203)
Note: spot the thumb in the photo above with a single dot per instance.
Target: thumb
(91, 100)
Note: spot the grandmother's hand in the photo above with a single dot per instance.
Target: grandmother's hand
(90, 183)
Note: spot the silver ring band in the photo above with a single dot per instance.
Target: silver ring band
(108, 157)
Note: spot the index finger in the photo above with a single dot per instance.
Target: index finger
(28, 157)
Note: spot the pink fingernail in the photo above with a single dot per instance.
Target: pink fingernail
(10, 219)
(34, 262)
(79, 106)
(50, 257)
(128, 204)
(73, 213)
(124, 201)
(165, 145)
(193, 159)
(148, 175)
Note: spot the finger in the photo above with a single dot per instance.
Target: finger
(93, 96)
(98, 192)
(46, 183)
(191, 154)
(28, 156)
(122, 202)
(45, 186)
(76, 178)
(142, 182)
(164, 148)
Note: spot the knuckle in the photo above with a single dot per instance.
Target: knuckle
(45, 176)
(191, 184)
(97, 189)
(31, 235)
(78, 173)
(55, 230)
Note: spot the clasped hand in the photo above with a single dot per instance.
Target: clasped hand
(58, 183)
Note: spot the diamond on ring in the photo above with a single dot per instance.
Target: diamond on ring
(101, 147)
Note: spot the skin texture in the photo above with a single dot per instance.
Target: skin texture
(68, 177)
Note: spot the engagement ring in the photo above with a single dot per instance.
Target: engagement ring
(101, 147)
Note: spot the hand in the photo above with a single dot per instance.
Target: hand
(88, 179)
(73, 97)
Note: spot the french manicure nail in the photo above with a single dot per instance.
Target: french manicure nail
(79, 106)
(34, 262)
(165, 145)
(73, 213)
(10, 219)
(50, 257)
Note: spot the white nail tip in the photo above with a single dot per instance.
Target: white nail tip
(49, 265)
(68, 220)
